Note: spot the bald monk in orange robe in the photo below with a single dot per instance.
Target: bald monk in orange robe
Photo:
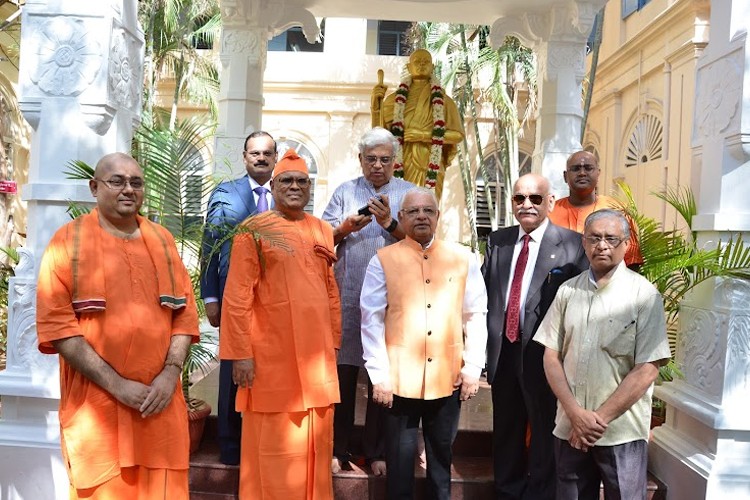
(115, 301)
(582, 176)
(281, 326)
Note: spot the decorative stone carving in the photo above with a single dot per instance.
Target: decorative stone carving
(98, 117)
(733, 294)
(124, 76)
(564, 22)
(69, 57)
(239, 42)
(699, 349)
(738, 349)
(22, 342)
(719, 91)
(566, 57)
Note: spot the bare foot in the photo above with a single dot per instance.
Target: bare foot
(335, 465)
(378, 467)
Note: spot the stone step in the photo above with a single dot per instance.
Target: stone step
(471, 476)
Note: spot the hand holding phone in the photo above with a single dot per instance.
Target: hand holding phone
(366, 209)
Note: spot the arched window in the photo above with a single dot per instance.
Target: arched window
(645, 141)
(282, 145)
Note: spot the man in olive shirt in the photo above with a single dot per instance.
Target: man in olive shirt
(605, 338)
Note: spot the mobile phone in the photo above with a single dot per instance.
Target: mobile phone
(366, 209)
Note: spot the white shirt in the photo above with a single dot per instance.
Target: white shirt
(534, 242)
(373, 304)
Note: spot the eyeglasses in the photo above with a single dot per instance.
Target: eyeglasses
(609, 241)
(414, 211)
(535, 199)
(588, 167)
(258, 154)
(119, 183)
(286, 182)
(384, 160)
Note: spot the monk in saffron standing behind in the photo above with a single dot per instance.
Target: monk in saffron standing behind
(115, 301)
(281, 326)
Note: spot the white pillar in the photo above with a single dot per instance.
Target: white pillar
(703, 450)
(247, 25)
(80, 89)
(558, 37)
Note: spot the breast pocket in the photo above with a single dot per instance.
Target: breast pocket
(619, 338)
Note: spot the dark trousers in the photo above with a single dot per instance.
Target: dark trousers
(521, 397)
(229, 422)
(439, 419)
(373, 444)
(622, 469)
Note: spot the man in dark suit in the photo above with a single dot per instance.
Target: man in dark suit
(231, 203)
(524, 266)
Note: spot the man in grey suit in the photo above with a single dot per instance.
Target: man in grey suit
(231, 203)
(524, 265)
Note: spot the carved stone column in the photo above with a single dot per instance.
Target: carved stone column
(558, 37)
(80, 90)
(703, 450)
(247, 25)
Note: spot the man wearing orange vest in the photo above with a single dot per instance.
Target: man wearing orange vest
(424, 332)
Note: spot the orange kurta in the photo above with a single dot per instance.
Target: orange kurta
(284, 312)
(99, 435)
(281, 308)
(566, 215)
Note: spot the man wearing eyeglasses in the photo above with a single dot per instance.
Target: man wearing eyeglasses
(115, 301)
(358, 237)
(424, 333)
(604, 338)
(582, 176)
(524, 265)
(281, 327)
(229, 204)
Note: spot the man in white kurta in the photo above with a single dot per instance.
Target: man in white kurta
(605, 338)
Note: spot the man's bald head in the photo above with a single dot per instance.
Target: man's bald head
(107, 162)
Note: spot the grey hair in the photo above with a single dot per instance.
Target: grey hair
(420, 190)
(377, 136)
(608, 213)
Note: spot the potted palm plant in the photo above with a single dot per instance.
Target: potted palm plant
(675, 263)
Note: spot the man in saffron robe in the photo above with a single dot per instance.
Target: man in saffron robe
(582, 176)
(115, 301)
(430, 118)
(281, 327)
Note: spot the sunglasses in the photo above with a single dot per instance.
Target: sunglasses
(535, 199)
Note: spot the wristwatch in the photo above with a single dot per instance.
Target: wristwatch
(392, 226)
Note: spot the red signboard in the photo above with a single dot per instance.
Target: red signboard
(8, 187)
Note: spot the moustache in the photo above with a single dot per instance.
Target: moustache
(263, 163)
(528, 212)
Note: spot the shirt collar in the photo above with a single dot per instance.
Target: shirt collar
(536, 234)
(254, 184)
(618, 272)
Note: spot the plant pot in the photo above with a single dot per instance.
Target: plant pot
(198, 412)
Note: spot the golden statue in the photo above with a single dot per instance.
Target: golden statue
(424, 120)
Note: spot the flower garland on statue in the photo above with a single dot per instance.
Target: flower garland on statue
(437, 103)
